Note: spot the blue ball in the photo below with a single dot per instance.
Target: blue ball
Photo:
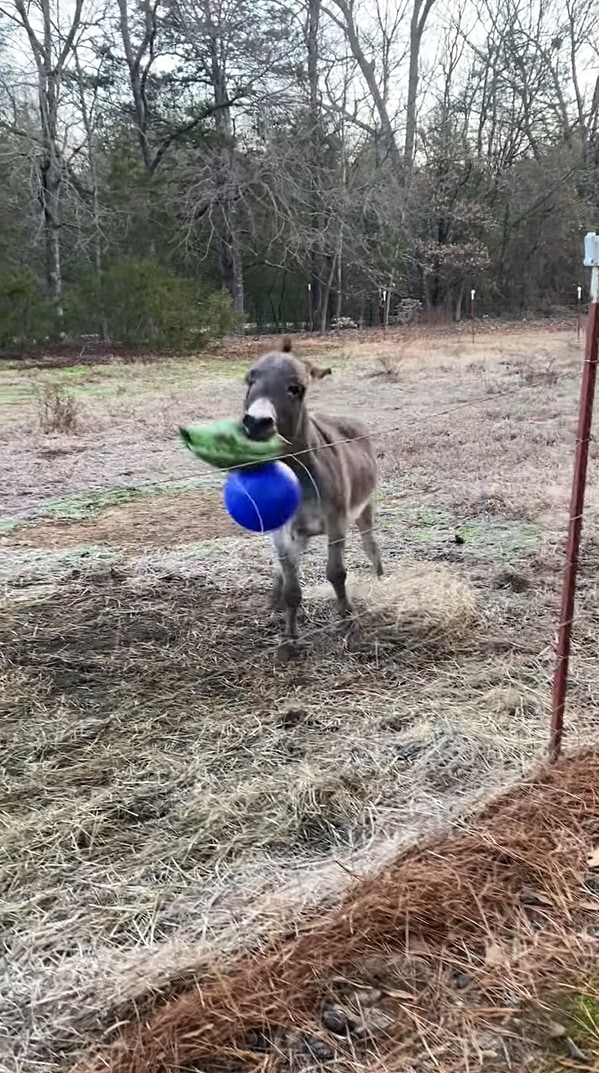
(262, 498)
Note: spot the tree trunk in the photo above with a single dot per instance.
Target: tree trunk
(49, 200)
(50, 168)
(315, 295)
(420, 13)
(312, 28)
(50, 51)
(459, 304)
(326, 294)
(387, 309)
(339, 295)
(367, 68)
(231, 267)
(229, 243)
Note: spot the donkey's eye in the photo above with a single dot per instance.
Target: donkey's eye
(296, 390)
(250, 377)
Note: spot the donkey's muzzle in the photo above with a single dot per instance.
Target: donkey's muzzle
(258, 428)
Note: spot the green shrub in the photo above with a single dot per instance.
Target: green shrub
(26, 315)
(144, 304)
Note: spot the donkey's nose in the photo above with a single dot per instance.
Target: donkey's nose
(258, 428)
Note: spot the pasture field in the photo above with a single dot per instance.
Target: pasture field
(170, 794)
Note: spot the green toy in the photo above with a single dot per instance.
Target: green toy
(224, 444)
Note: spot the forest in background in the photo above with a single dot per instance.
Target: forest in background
(176, 169)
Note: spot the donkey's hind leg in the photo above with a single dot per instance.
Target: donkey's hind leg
(336, 572)
(365, 524)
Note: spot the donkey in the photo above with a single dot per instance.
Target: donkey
(336, 466)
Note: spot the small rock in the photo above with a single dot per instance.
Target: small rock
(408, 751)
(336, 1020)
(511, 579)
(511, 998)
(317, 1049)
(555, 1030)
(459, 539)
(488, 1044)
(460, 980)
(575, 1053)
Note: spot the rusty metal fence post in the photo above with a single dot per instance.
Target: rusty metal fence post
(587, 396)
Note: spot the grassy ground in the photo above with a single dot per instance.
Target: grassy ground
(170, 793)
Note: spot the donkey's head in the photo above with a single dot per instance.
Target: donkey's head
(275, 397)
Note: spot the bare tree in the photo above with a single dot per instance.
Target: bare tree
(87, 101)
(420, 12)
(143, 34)
(237, 56)
(582, 27)
(342, 12)
(51, 43)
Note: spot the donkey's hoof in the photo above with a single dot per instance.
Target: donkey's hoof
(352, 638)
(288, 649)
(349, 631)
(345, 620)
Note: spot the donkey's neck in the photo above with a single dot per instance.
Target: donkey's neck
(303, 435)
(302, 455)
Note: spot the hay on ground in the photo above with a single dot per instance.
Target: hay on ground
(418, 602)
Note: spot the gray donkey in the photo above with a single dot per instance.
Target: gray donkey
(336, 466)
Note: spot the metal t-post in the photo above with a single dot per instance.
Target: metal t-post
(587, 396)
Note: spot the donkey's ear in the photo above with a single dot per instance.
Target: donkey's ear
(316, 373)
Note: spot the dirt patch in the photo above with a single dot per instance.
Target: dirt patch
(158, 521)
(444, 959)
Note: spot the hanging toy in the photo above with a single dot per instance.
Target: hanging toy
(261, 493)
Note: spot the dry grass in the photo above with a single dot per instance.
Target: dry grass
(170, 796)
(392, 358)
(57, 409)
(153, 793)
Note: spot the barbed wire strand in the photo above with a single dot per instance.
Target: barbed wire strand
(211, 478)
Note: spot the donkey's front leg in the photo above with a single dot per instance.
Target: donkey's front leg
(336, 572)
(288, 548)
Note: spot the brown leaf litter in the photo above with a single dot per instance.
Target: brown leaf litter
(441, 961)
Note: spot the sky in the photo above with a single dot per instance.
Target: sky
(433, 50)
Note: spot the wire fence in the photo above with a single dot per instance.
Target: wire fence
(575, 519)
(211, 479)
